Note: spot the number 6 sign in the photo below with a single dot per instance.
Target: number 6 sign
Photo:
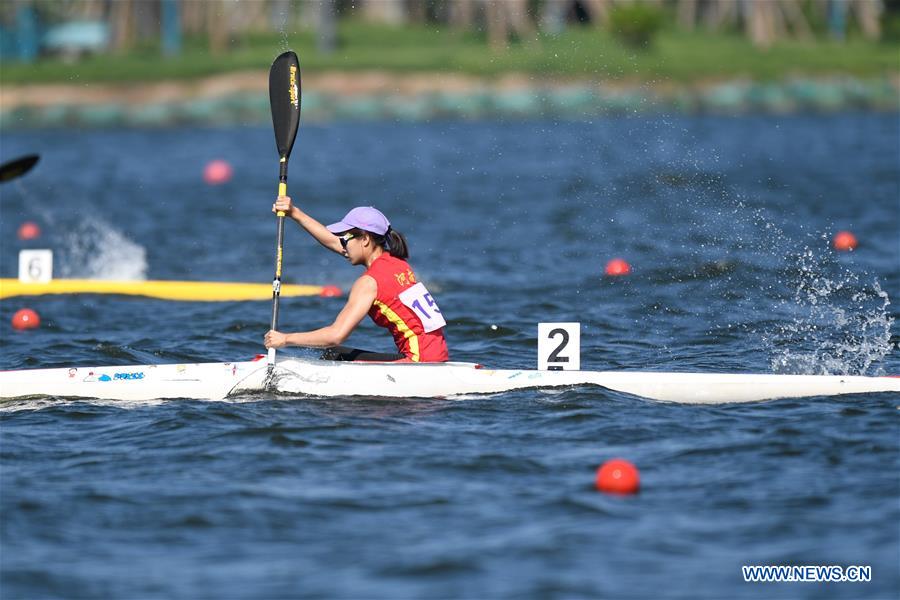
(35, 266)
(559, 346)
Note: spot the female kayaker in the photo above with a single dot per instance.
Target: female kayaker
(388, 291)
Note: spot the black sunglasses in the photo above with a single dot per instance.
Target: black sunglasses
(346, 238)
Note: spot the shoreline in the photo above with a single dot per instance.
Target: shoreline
(242, 97)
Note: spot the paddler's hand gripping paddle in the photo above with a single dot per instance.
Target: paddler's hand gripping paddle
(284, 97)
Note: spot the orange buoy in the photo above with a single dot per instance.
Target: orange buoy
(618, 476)
(845, 241)
(29, 230)
(25, 318)
(217, 172)
(330, 291)
(616, 267)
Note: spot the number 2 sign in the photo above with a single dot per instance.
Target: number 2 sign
(559, 346)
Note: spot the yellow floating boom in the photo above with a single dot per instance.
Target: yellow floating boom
(197, 291)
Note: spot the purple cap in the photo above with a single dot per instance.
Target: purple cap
(367, 218)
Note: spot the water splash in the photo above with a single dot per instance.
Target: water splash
(94, 249)
(828, 319)
(822, 318)
(839, 325)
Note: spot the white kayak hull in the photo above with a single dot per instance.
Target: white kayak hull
(217, 381)
(200, 381)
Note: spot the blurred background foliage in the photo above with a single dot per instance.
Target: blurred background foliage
(43, 40)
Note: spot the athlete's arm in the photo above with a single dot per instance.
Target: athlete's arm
(362, 296)
(313, 227)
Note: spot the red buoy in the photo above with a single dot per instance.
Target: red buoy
(845, 241)
(617, 267)
(29, 231)
(25, 318)
(618, 476)
(217, 172)
(330, 291)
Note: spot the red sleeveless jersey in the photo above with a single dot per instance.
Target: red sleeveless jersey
(405, 308)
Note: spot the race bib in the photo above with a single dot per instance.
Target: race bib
(417, 299)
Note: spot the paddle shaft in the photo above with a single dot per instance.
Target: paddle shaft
(279, 252)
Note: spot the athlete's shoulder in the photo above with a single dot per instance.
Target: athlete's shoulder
(364, 283)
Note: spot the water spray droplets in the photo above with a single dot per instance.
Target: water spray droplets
(282, 28)
(96, 250)
(839, 325)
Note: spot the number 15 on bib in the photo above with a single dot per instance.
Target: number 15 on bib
(559, 346)
(419, 300)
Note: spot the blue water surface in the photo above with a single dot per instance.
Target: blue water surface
(726, 222)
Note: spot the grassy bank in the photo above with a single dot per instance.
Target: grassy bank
(578, 52)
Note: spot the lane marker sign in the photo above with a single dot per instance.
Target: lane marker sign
(559, 346)
(35, 266)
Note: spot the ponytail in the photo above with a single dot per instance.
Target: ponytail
(393, 242)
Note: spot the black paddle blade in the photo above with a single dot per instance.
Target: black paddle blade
(284, 96)
(18, 167)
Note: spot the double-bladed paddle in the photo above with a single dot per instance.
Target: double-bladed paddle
(18, 167)
(284, 97)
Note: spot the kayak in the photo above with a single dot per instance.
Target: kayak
(200, 291)
(309, 377)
